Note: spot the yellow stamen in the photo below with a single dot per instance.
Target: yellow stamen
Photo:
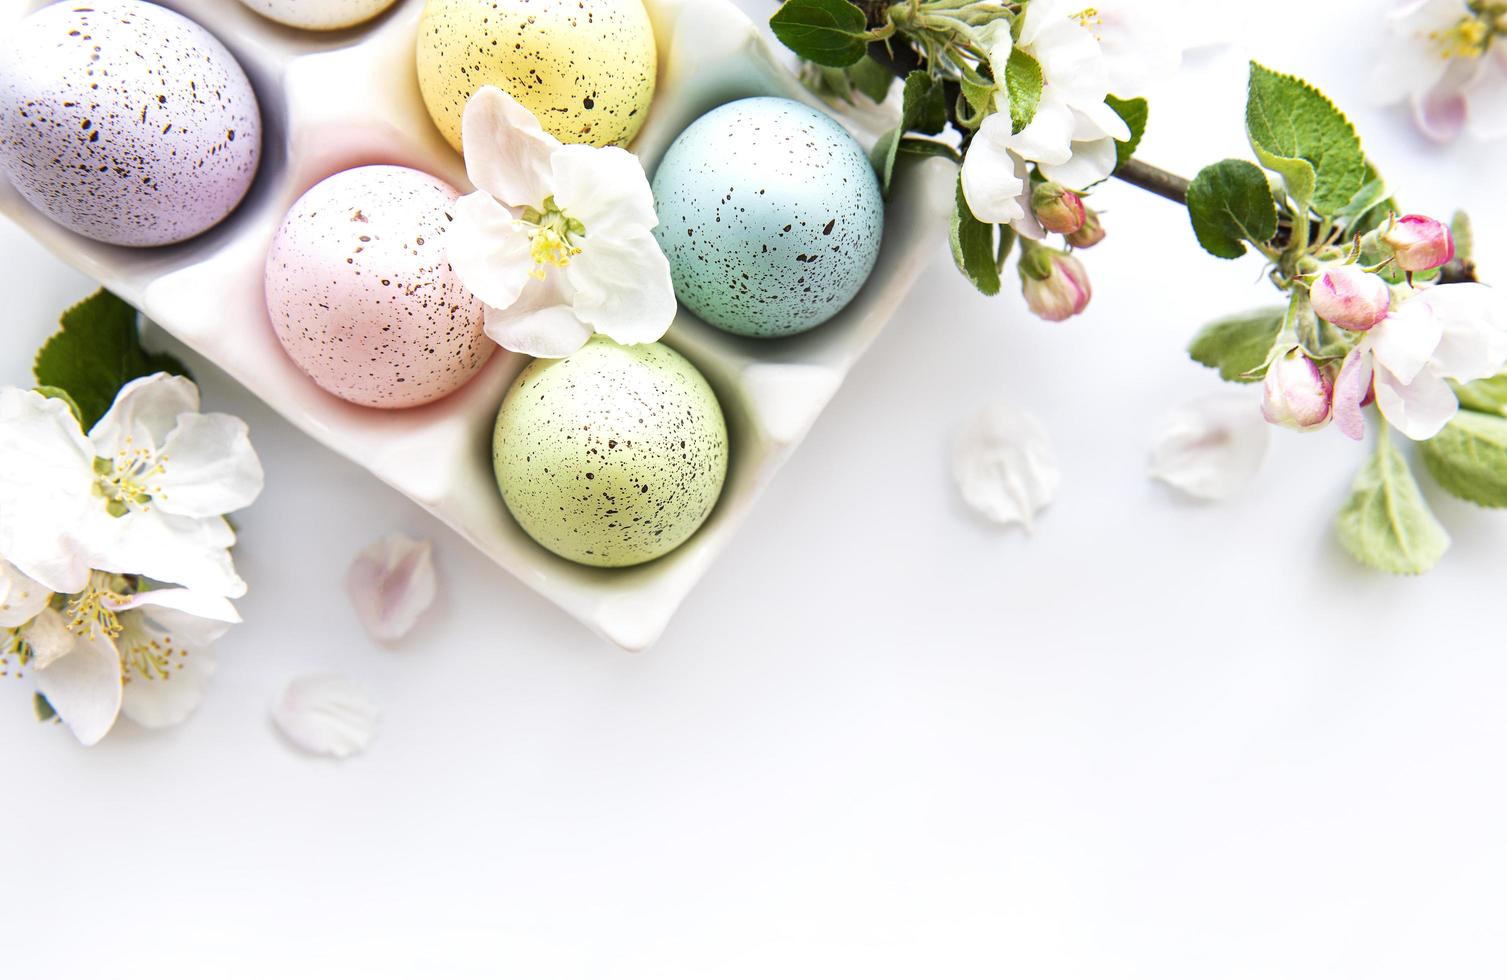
(89, 612)
(1467, 39)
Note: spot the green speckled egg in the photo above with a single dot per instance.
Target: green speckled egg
(612, 456)
(586, 68)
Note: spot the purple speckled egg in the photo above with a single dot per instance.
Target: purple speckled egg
(362, 295)
(125, 122)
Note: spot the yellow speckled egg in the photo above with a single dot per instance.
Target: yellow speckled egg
(584, 67)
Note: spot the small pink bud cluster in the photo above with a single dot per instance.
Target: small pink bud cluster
(1055, 284)
(1298, 393)
(1419, 243)
(1350, 297)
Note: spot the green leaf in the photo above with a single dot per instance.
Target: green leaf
(1386, 523)
(833, 33)
(43, 708)
(47, 391)
(883, 155)
(1488, 395)
(1023, 83)
(1238, 345)
(1135, 113)
(1296, 131)
(980, 97)
(917, 147)
(95, 353)
(1464, 235)
(871, 78)
(973, 246)
(1230, 201)
(924, 109)
(1469, 458)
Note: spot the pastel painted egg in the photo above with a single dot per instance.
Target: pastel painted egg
(584, 67)
(125, 122)
(771, 217)
(319, 15)
(612, 456)
(361, 293)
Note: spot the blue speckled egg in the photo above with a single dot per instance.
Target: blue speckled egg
(771, 216)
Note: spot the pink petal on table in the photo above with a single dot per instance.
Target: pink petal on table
(391, 584)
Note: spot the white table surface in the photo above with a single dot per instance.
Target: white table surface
(1154, 740)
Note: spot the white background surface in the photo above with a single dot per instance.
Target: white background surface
(1154, 740)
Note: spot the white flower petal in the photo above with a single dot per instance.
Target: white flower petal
(391, 584)
(202, 605)
(1090, 163)
(47, 491)
(49, 638)
(1095, 121)
(21, 597)
(1136, 41)
(1211, 447)
(507, 151)
(604, 188)
(489, 250)
(1418, 409)
(1411, 64)
(553, 331)
(1487, 96)
(1473, 321)
(991, 185)
(1440, 111)
(175, 550)
(208, 467)
(1407, 338)
(84, 688)
(622, 287)
(326, 714)
(1048, 137)
(169, 660)
(1004, 465)
(144, 412)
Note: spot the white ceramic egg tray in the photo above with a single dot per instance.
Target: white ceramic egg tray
(339, 100)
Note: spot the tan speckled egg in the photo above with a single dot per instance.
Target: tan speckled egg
(361, 293)
(584, 67)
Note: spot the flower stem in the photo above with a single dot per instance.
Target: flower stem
(1154, 179)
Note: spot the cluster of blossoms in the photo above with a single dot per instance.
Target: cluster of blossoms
(115, 566)
(1407, 341)
(1449, 60)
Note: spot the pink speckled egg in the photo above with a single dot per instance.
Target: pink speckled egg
(362, 296)
(125, 122)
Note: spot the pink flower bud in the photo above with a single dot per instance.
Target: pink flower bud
(1297, 394)
(1058, 209)
(1419, 243)
(1065, 290)
(1092, 232)
(1350, 297)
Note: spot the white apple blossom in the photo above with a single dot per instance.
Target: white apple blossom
(142, 494)
(1455, 332)
(1085, 53)
(1447, 59)
(557, 239)
(107, 650)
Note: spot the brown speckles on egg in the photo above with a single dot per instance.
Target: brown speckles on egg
(586, 68)
(125, 122)
(362, 296)
(612, 456)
